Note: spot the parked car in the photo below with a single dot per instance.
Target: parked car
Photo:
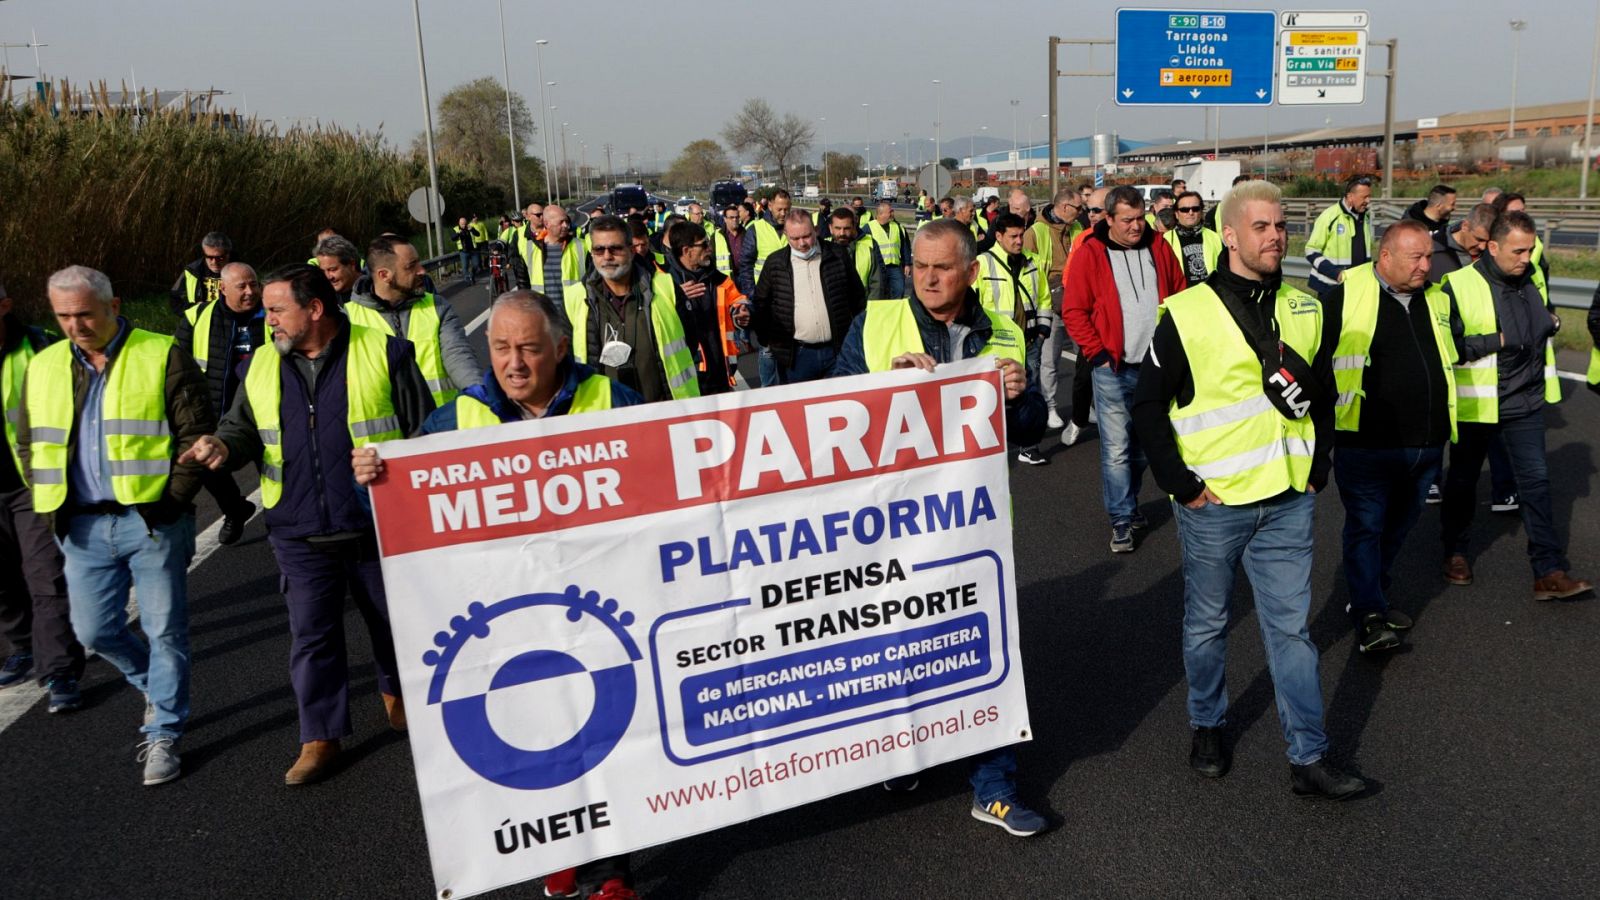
(728, 193)
(681, 205)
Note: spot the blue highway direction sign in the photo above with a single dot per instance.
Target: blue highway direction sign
(1174, 57)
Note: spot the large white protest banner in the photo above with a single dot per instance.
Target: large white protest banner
(621, 628)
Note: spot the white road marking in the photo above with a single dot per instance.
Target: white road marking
(477, 323)
(14, 701)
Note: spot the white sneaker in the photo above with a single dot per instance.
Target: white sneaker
(1054, 421)
(1070, 434)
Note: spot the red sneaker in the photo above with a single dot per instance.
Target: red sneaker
(562, 884)
(614, 889)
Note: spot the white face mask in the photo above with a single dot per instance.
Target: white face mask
(809, 254)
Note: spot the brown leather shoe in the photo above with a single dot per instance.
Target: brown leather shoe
(1559, 585)
(396, 708)
(1457, 570)
(315, 762)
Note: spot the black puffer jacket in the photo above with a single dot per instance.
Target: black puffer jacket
(772, 310)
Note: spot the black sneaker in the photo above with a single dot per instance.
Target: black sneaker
(1508, 503)
(1208, 755)
(901, 784)
(1376, 635)
(1435, 497)
(1398, 621)
(15, 669)
(1138, 521)
(1323, 781)
(1122, 538)
(233, 523)
(64, 696)
(1032, 457)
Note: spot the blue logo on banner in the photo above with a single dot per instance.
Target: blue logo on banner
(466, 718)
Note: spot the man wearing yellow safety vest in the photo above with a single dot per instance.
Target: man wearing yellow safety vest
(399, 305)
(1050, 238)
(944, 322)
(221, 336)
(549, 259)
(963, 211)
(1394, 413)
(1011, 283)
(727, 241)
(624, 320)
(893, 245)
(697, 218)
(1196, 245)
(862, 252)
(327, 387)
(35, 619)
(531, 375)
(1235, 410)
(763, 236)
(1342, 236)
(105, 417)
(198, 282)
(1505, 378)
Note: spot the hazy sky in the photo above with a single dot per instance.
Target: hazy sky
(649, 76)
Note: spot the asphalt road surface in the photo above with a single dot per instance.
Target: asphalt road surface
(1478, 738)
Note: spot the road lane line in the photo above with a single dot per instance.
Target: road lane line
(16, 700)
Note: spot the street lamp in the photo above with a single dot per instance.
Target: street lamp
(866, 119)
(511, 133)
(1516, 45)
(824, 121)
(1588, 119)
(544, 117)
(1014, 157)
(938, 134)
(434, 225)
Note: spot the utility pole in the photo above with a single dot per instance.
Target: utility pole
(1588, 119)
(1516, 47)
(1393, 44)
(1056, 73)
(611, 180)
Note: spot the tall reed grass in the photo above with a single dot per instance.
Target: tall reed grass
(132, 195)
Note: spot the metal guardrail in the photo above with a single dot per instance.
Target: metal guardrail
(1568, 293)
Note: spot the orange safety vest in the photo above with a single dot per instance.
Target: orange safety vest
(727, 296)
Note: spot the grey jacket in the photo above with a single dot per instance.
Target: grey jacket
(459, 361)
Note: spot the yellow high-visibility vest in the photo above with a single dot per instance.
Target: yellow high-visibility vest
(138, 439)
(368, 392)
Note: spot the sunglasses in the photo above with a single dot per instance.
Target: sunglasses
(1188, 209)
(216, 258)
(608, 249)
(1096, 209)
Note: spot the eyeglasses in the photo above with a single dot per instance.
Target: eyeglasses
(609, 249)
(1188, 209)
(217, 258)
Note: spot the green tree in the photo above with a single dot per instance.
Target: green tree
(778, 139)
(471, 135)
(839, 168)
(700, 163)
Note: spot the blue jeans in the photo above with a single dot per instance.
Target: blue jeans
(767, 368)
(994, 776)
(1273, 539)
(1383, 491)
(104, 554)
(1122, 463)
(812, 362)
(466, 266)
(1523, 438)
(894, 282)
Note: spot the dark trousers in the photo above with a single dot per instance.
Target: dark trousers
(1523, 438)
(812, 362)
(1082, 391)
(222, 488)
(315, 577)
(1383, 492)
(34, 615)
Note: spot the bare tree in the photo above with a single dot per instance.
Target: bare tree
(779, 139)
